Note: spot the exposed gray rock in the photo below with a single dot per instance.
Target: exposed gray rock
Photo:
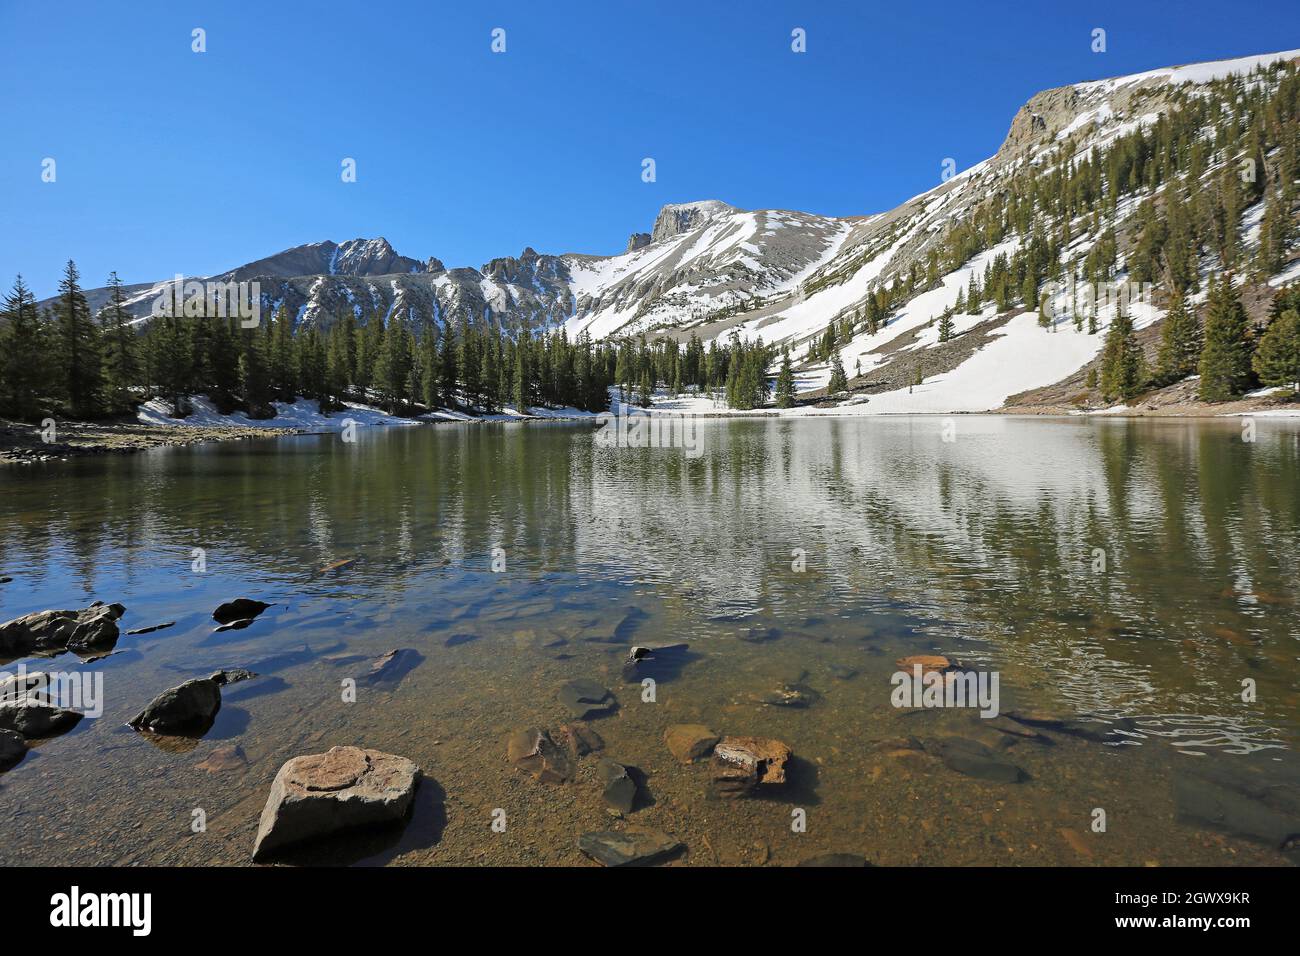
(581, 739)
(319, 795)
(43, 631)
(240, 609)
(35, 718)
(151, 628)
(638, 240)
(13, 748)
(188, 709)
(677, 218)
(632, 847)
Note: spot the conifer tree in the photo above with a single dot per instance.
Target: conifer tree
(1180, 343)
(839, 381)
(1121, 360)
(24, 356)
(785, 383)
(945, 326)
(1225, 356)
(78, 345)
(1277, 359)
(121, 369)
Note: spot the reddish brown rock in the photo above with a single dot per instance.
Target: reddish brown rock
(741, 764)
(534, 752)
(690, 742)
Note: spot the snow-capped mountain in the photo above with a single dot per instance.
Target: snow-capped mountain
(710, 269)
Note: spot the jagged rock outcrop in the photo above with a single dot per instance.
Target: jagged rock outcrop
(677, 218)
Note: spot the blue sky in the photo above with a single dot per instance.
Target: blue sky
(171, 161)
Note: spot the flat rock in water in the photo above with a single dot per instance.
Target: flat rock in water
(929, 663)
(1261, 805)
(741, 764)
(240, 609)
(534, 752)
(151, 628)
(13, 748)
(634, 847)
(581, 739)
(642, 662)
(620, 788)
(33, 718)
(92, 627)
(319, 795)
(690, 742)
(392, 666)
(224, 759)
(796, 696)
(586, 698)
(457, 639)
(974, 759)
(1097, 732)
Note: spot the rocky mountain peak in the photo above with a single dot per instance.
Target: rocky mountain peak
(677, 218)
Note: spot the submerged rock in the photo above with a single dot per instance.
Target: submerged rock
(789, 695)
(658, 662)
(586, 698)
(240, 609)
(534, 752)
(318, 795)
(742, 764)
(620, 789)
(13, 748)
(1253, 802)
(391, 666)
(929, 663)
(92, 627)
(974, 759)
(581, 739)
(188, 709)
(633, 847)
(35, 718)
(690, 742)
(1098, 732)
(223, 759)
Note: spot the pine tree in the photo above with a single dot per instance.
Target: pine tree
(78, 345)
(1225, 356)
(23, 354)
(121, 369)
(1277, 359)
(839, 381)
(785, 383)
(1180, 343)
(1121, 361)
(945, 326)
(254, 375)
(447, 366)
(523, 389)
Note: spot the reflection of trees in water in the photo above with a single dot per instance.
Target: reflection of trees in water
(990, 536)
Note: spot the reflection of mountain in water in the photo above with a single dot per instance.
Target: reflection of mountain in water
(988, 539)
